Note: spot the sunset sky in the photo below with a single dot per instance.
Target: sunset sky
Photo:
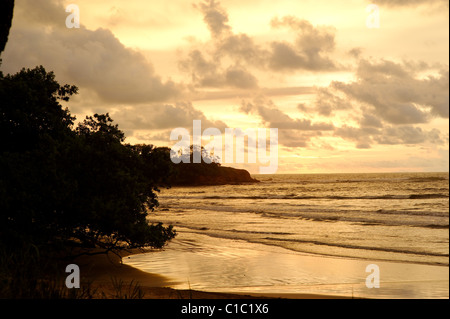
(344, 97)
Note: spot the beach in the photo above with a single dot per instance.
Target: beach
(99, 271)
(234, 266)
(298, 236)
(308, 234)
(397, 279)
(224, 150)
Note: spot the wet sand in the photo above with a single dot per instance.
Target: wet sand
(224, 269)
(100, 271)
(200, 262)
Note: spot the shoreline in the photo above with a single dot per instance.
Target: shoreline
(103, 273)
(223, 265)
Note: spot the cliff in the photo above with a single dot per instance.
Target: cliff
(209, 174)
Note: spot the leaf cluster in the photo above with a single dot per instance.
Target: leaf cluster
(61, 184)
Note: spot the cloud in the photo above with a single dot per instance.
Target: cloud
(154, 123)
(269, 92)
(388, 100)
(240, 78)
(361, 136)
(369, 120)
(396, 94)
(112, 78)
(408, 135)
(232, 60)
(298, 132)
(215, 17)
(242, 49)
(163, 137)
(49, 12)
(355, 52)
(326, 102)
(161, 117)
(292, 132)
(309, 50)
(223, 61)
(271, 115)
(404, 3)
(365, 137)
(207, 73)
(91, 59)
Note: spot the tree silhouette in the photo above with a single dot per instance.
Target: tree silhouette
(62, 185)
(6, 15)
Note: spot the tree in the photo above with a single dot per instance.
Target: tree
(6, 15)
(62, 185)
(35, 132)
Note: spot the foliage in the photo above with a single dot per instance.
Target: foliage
(6, 15)
(208, 172)
(60, 184)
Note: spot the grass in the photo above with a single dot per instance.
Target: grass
(130, 291)
(26, 274)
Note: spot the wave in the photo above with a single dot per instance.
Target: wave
(390, 250)
(363, 178)
(412, 213)
(427, 196)
(434, 226)
(380, 217)
(294, 196)
(427, 179)
(259, 232)
(370, 218)
(363, 221)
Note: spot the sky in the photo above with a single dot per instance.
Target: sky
(345, 96)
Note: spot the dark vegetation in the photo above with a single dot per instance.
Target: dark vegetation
(66, 190)
(206, 173)
(62, 185)
(6, 15)
(69, 189)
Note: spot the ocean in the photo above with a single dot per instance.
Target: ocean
(310, 233)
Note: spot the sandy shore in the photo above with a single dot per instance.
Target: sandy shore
(103, 274)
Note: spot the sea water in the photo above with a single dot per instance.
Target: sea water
(309, 234)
